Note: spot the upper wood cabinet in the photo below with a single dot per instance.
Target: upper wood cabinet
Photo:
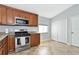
(21, 14)
(10, 16)
(0, 15)
(26, 15)
(33, 20)
(3, 10)
(3, 16)
(16, 13)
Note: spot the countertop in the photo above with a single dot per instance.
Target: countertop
(33, 32)
(2, 36)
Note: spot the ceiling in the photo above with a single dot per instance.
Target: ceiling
(45, 10)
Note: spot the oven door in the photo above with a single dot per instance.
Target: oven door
(27, 40)
(17, 42)
(22, 41)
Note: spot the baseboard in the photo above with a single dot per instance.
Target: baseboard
(68, 43)
(62, 42)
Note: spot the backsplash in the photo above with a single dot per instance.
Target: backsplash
(13, 28)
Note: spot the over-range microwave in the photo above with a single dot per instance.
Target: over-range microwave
(21, 21)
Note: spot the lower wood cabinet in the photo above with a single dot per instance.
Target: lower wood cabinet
(0, 51)
(35, 39)
(4, 47)
(8, 43)
(11, 43)
(4, 50)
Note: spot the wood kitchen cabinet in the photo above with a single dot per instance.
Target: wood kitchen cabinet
(1, 51)
(33, 20)
(27, 15)
(11, 43)
(0, 16)
(10, 16)
(6, 15)
(18, 13)
(3, 17)
(35, 39)
(21, 14)
(4, 47)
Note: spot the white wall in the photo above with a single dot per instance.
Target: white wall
(45, 21)
(60, 22)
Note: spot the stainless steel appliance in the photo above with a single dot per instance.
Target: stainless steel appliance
(21, 21)
(22, 41)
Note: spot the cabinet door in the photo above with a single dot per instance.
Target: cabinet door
(10, 18)
(0, 51)
(22, 15)
(11, 43)
(35, 39)
(6, 46)
(3, 15)
(33, 20)
(4, 49)
(27, 15)
(1, 48)
(0, 15)
(17, 13)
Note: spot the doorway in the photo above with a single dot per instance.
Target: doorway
(75, 30)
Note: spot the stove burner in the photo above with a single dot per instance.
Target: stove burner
(21, 34)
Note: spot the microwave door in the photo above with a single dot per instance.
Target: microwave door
(19, 21)
(22, 21)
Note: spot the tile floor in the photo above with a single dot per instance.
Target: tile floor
(50, 48)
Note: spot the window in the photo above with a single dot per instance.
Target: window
(43, 29)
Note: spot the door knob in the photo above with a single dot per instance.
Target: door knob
(72, 32)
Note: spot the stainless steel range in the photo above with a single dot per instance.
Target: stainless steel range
(22, 41)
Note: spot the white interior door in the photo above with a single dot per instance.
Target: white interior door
(75, 30)
(59, 30)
